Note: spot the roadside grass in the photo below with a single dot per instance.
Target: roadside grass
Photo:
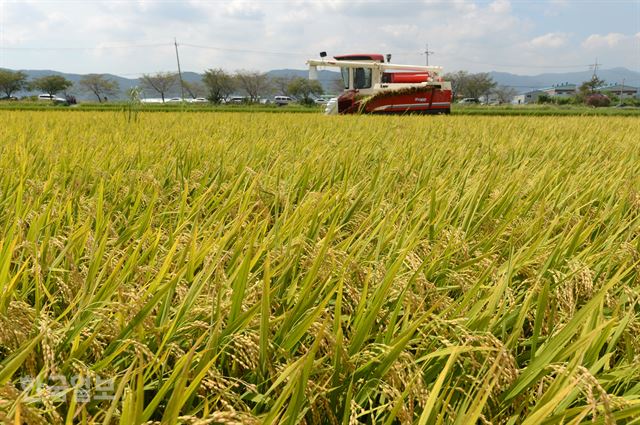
(544, 110)
(252, 268)
(151, 107)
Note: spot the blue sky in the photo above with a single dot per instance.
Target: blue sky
(132, 37)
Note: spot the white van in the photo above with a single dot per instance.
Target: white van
(282, 100)
(49, 97)
(236, 100)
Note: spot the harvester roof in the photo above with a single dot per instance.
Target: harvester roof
(361, 57)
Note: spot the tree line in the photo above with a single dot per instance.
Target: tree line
(467, 85)
(216, 85)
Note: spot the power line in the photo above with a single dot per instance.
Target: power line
(427, 53)
(106, 47)
(413, 53)
(228, 49)
(269, 52)
(150, 45)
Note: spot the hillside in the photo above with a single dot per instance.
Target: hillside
(529, 82)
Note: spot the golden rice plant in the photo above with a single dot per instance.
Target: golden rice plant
(253, 268)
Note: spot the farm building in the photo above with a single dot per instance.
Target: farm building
(557, 90)
(563, 89)
(528, 97)
(620, 90)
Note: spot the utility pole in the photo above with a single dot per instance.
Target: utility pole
(175, 42)
(621, 93)
(595, 66)
(594, 77)
(427, 52)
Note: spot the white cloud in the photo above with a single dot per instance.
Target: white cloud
(478, 35)
(597, 41)
(500, 6)
(551, 40)
(400, 30)
(244, 10)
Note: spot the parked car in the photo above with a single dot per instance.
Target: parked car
(199, 100)
(9, 98)
(469, 101)
(320, 101)
(151, 100)
(174, 100)
(282, 100)
(236, 99)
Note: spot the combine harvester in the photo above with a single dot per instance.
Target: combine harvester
(373, 86)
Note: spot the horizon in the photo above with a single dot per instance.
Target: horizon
(601, 70)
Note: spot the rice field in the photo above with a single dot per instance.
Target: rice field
(236, 268)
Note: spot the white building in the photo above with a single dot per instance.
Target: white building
(528, 97)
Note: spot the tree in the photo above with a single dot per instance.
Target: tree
(12, 81)
(219, 84)
(51, 84)
(477, 85)
(281, 84)
(194, 88)
(458, 81)
(99, 85)
(591, 86)
(160, 82)
(544, 98)
(303, 89)
(504, 93)
(253, 83)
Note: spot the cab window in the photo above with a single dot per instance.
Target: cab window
(362, 78)
(345, 76)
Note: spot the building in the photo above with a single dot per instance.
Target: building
(528, 97)
(489, 99)
(620, 90)
(564, 90)
(557, 90)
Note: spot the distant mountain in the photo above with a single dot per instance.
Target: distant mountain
(328, 78)
(524, 83)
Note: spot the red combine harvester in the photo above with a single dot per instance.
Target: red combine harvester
(374, 86)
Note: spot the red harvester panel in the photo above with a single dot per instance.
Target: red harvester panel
(405, 77)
